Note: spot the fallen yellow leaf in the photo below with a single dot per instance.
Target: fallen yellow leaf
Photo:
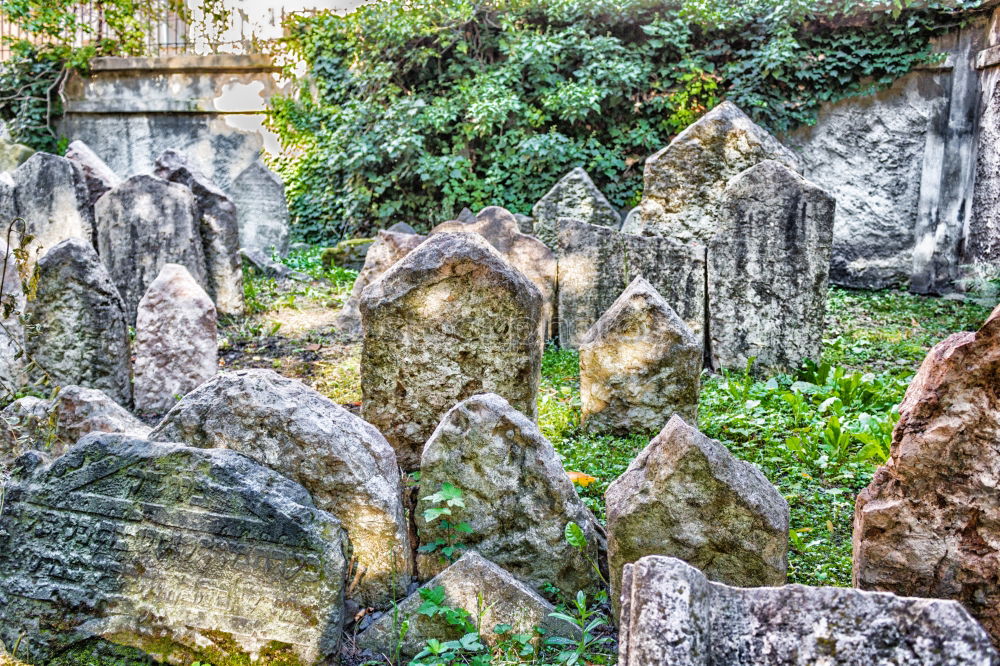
(581, 479)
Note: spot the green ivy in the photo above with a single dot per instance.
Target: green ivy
(412, 109)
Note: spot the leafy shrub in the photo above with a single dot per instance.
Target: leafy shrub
(413, 109)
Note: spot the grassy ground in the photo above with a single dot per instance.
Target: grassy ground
(817, 434)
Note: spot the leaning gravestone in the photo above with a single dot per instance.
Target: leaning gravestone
(175, 340)
(673, 616)
(183, 553)
(683, 183)
(924, 526)
(596, 264)
(686, 496)
(388, 248)
(12, 307)
(98, 175)
(259, 196)
(51, 196)
(219, 230)
(574, 196)
(345, 463)
(80, 334)
(639, 365)
(448, 321)
(768, 269)
(518, 498)
(142, 224)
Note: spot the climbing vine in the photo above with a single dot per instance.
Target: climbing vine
(413, 109)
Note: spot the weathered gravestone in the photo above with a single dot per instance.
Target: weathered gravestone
(13, 155)
(768, 270)
(219, 230)
(448, 321)
(175, 340)
(12, 307)
(51, 196)
(345, 463)
(574, 196)
(471, 579)
(639, 365)
(184, 553)
(925, 526)
(98, 176)
(518, 498)
(259, 196)
(348, 253)
(686, 496)
(673, 616)
(526, 254)
(388, 248)
(596, 264)
(683, 183)
(79, 332)
(142, 224)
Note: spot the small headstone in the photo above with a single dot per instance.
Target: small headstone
(525, 223)
(13, 155)
(924, 525)
(259, 196)
(79, 333)
(768, 269)
(465, 215)
(673, 616)
(639, 365)
(518, 498)
(448, 321)
(596, 264)
(348, 253)
(99, 176)
(176, 349)
(683, 183)
(526, 254)
(186, 554)
(345, 463)
(402, 228)
(219, 229)
(12, 307)
(575, 196)
(143, 223)
(388, 248)
(686, 496)
(467, 582)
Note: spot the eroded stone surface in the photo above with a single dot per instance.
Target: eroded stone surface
(596, 264)
(639, 365)
(575, 196)
(143, 223)
(507, 601)
(768, 270)
(924, 525)
(219, 230)
(171, 549)
(98, 176)
(259, 196)
(176, 349)
(672, 615)
(518, 498)
(345, 463)
(683, 183)
(12, 307)
(687, 497)
(80, 333)
(448, 321)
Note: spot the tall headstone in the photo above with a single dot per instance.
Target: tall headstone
(673, 616)
(574, 196)
(448, 321)
(143, 223)
(596, 264)
(98, 175)
(185, 554)
(176, 349)
(683, 183)
(924, 526)
(344, 463)
(12, 307)
(79, 331)
(687, 497)
(768, 270)
(219, 229)
(639, 365)
(259, 196)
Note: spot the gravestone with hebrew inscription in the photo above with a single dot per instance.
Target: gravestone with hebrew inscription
(259, 196)
(186, 554)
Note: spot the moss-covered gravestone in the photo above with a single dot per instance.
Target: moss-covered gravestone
(185, 554)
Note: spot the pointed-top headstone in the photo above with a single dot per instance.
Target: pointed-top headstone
(575, 196)
(99, 176)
